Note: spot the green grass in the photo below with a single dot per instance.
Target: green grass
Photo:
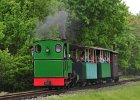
(129, 91)
(128, 77)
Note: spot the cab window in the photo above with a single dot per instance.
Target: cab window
(58, 48)
(38, 48)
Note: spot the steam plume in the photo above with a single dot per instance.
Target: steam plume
(54, 24)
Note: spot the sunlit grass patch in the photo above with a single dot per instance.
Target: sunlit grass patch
(124, 92)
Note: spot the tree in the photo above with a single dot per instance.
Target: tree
(18, 22)
(101, 19)
(134, 28)
(19, 19)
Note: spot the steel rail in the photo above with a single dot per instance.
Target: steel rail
(28, 94)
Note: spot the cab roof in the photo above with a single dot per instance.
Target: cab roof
(47, 40)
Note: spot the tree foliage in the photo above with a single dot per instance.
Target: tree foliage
(16, 71)
(18, 19)
(134, 26)
(101, 19)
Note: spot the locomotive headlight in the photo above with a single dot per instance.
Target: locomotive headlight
(47, 50)
(58, 48)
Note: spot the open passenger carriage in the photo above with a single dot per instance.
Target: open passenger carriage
(93, 64)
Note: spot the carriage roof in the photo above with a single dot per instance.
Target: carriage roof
(95, 48)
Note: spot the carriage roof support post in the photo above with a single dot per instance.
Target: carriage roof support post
(85, 54)
(109, 55)
(102, 54)
(76, 54)
(93, 55)
(88, 55)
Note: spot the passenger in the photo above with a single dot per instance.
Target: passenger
(96, 59)
(82, 57)
(73, 58)
(105, 60)
(91, 58)
(108, 60)
(100, 59)
(87, 59)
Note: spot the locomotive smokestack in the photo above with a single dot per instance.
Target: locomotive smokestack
(63, 37)
(62, 25)
(63, 32)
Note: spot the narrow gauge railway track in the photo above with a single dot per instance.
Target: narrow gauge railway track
(101, 85)
(29, 94)
(34, 94)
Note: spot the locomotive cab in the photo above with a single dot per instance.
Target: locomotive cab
(51, 63)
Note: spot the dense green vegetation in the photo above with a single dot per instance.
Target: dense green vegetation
(91, 22)
(18, 20)
(125, 92)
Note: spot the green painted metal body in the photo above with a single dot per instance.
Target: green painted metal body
(49, 68)
(104, 70)
(51, 64)
(90, 70)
